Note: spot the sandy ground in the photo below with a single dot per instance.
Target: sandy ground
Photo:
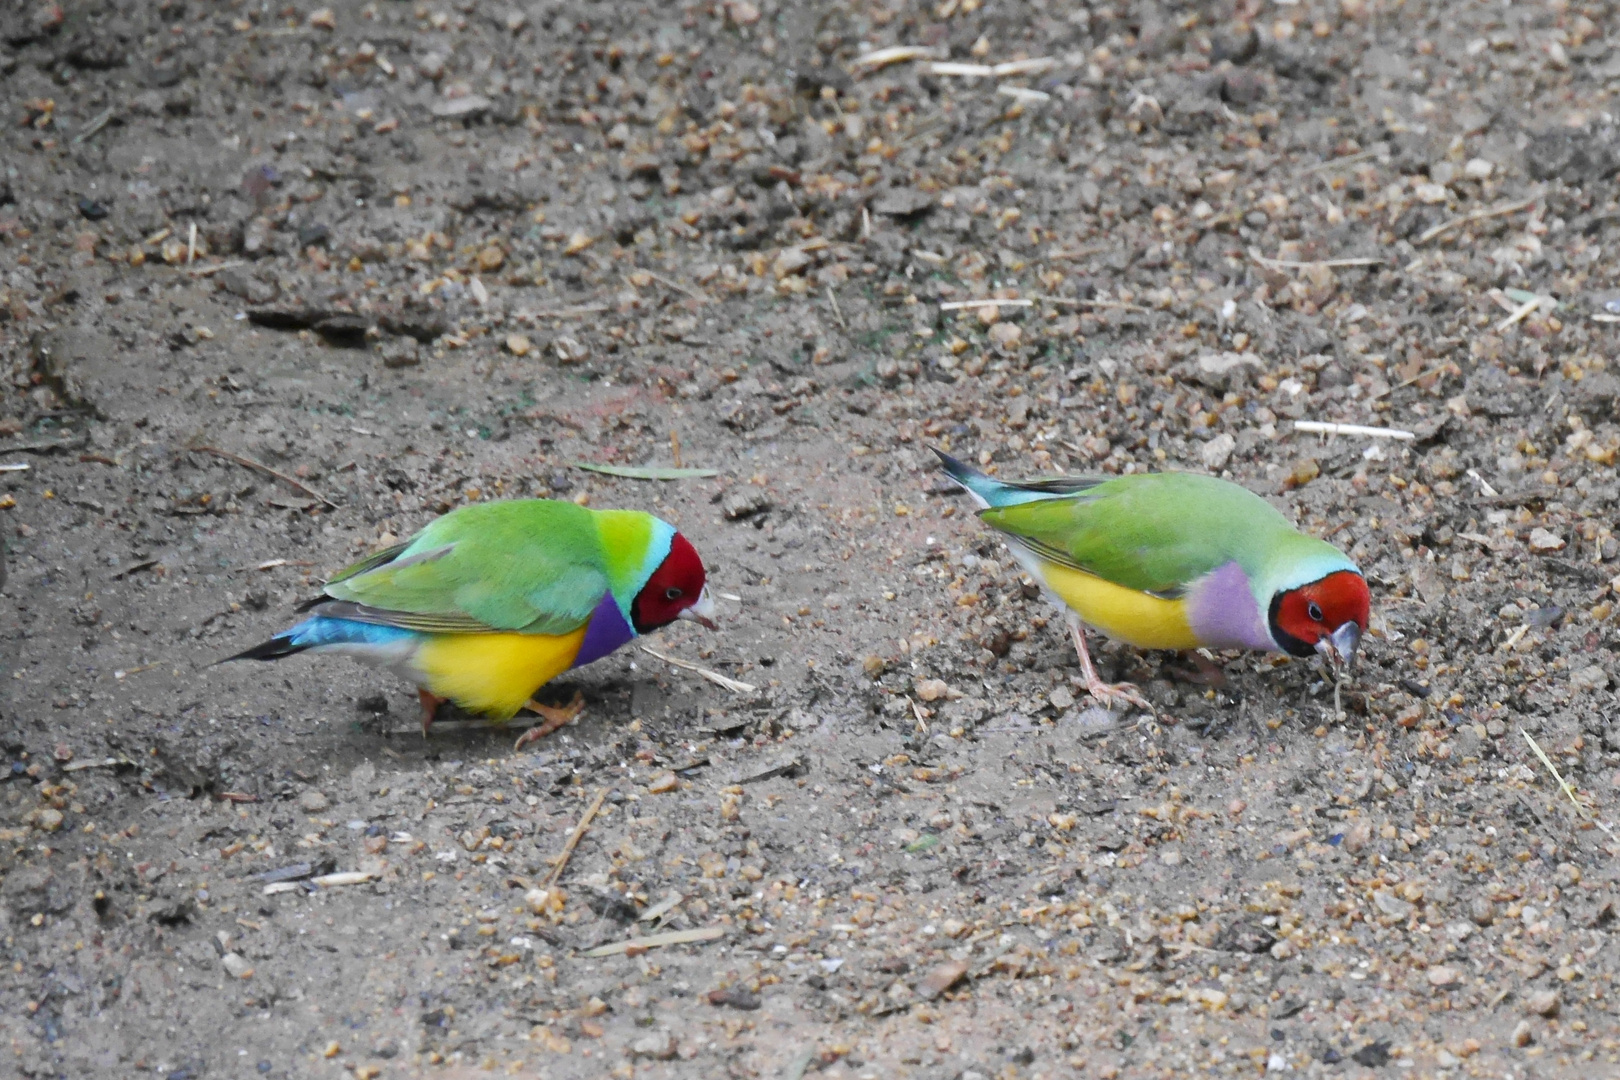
(278, 284)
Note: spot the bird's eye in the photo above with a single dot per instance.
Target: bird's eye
(1314, 612)
(675, 594)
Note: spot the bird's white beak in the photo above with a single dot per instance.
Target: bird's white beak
(703, 611)
(1340, 646)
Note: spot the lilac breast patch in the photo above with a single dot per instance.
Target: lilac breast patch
(606, 631)
(1222, 611)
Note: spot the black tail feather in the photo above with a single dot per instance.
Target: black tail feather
(958, 470)
(274, 649)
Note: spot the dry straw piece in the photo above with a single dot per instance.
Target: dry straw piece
(734, 685)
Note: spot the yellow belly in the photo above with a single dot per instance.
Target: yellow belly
(493, 674)
(1136, 618)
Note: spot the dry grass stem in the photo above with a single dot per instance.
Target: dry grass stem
(961, 305)
(1478, 215)
(894, 54)
(565, 313)
(1071, 301)
(653, 941)
(969, 71)
(575, 837)
(249, 463)
(832, 298)
(697, 294)
(715, 677)
(1334, 163)
(1323, 427)
(1567, 787)
(1289, 264)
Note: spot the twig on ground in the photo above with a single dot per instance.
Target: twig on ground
(45, 447)
(99, 121)
(1322, 427)
(1023, 94)
(1478, 215)
(565, 313)
(209, 271)
(653, 941)
(697, 294)
(1569, 789)
(838, 313)
(1484, 488)
(662, 908)
(715, 677)
(1520, 313)
(895, 54)
(1117, 305)
(959, 305)
(1333, 163)
(1034, 66)
(1437, 369)
(575, 837)
(1056, 256)
(971, 71)
(1289, 264)
(100, 763)
(249, 463)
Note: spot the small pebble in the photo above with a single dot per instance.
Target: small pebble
(1543, 542)
(1443, 976)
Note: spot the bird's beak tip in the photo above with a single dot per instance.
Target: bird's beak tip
(1341, 645)
(703, 611)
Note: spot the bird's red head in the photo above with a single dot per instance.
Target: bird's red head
(675, 591)
(1318, 617)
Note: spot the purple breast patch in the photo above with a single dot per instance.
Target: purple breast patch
(1223, 614)
(606, 631)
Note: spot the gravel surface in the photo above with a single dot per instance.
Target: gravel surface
(279, 283)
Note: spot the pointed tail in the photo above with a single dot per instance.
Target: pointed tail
(983, 489)
(274, 649)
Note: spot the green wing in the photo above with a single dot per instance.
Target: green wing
(531, 565)
(1156, 532)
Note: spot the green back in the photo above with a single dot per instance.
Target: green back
(1160, 532)
(537, 566)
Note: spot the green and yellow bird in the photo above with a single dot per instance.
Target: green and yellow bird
(1174, 561)
(494, 600)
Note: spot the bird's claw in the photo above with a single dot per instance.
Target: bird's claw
(1105, 694)
(553, 719)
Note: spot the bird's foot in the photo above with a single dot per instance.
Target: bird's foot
(1105, 694)
(430, 707)
(553, 719)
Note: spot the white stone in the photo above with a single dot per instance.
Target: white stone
(1218, 451)
(1543, 542)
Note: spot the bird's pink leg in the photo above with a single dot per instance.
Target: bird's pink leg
(554, 719)
(430, 706)
(1103, 693)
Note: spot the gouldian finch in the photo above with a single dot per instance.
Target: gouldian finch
(1174, 561)
(494, 600)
